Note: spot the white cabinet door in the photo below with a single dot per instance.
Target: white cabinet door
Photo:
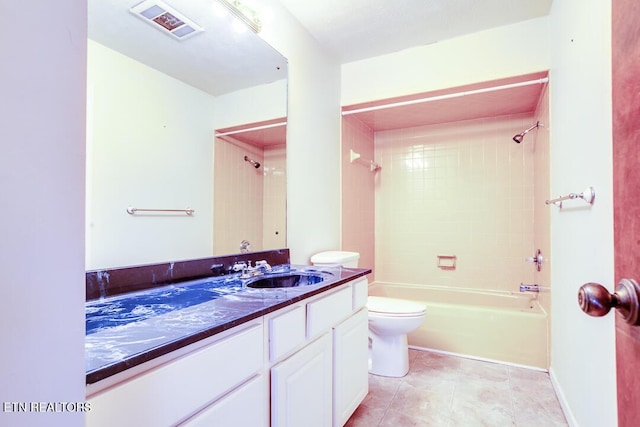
(350, 354)
(245, 406)
(301, 387)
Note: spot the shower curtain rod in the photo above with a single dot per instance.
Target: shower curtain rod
(233, 132)
(447, 96)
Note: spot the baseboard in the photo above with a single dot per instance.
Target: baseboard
(564, 405)
(482, 359)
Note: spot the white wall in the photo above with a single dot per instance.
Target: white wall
(146, 152)
(42, 81)
(488, 55)
(582, 348)
(251, 105)
(313, 137)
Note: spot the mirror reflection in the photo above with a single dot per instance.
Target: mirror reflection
(154, 104)
(250, 158)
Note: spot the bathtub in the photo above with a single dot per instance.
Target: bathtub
(489, 325)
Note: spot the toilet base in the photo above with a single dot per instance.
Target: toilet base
(389, 355)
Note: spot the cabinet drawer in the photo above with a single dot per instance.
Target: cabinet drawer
(171, 392)
(328, 311)
(360, 293)
(232, 409)
(286, 332)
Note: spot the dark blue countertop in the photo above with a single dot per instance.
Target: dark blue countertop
(128, 329)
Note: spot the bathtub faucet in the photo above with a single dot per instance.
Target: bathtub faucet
(529, 288)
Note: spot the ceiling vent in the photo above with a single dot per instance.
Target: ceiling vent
(166, 19)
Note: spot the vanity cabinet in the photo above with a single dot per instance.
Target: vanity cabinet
(302, 365)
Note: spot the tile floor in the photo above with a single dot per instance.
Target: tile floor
(442, 390)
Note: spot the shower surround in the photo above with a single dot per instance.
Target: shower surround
(462, 189)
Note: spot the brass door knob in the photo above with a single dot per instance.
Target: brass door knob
(595, 300)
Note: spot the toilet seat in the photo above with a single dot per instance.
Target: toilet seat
(393, 307)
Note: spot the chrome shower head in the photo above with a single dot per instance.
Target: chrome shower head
(253, 162)
(519, 137)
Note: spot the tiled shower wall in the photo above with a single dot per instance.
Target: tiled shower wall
(542, 212)
(275, 198)
(249, 203)
(463, 189)
(358, 193)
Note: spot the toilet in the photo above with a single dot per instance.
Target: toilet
(390, 320)
(336, 259)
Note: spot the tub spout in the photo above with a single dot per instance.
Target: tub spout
(529, 288)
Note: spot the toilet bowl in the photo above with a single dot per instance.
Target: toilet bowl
(390, 320)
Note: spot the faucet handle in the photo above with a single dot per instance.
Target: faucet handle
(264, 264)
(239, 266)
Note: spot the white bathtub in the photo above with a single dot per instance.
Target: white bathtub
(499, 326)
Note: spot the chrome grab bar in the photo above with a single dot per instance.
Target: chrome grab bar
(131, 210)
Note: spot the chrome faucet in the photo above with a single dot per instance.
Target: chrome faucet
(264, 265)
(247, 270)
(529, 288)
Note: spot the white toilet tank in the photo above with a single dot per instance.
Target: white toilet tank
(336, 258)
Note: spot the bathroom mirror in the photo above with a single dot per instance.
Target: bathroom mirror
(257, 214)
(154, 103)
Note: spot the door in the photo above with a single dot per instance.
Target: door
(626, 187)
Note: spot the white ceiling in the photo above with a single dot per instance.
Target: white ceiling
(358, 29)
(352, 30)
(218, 60)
